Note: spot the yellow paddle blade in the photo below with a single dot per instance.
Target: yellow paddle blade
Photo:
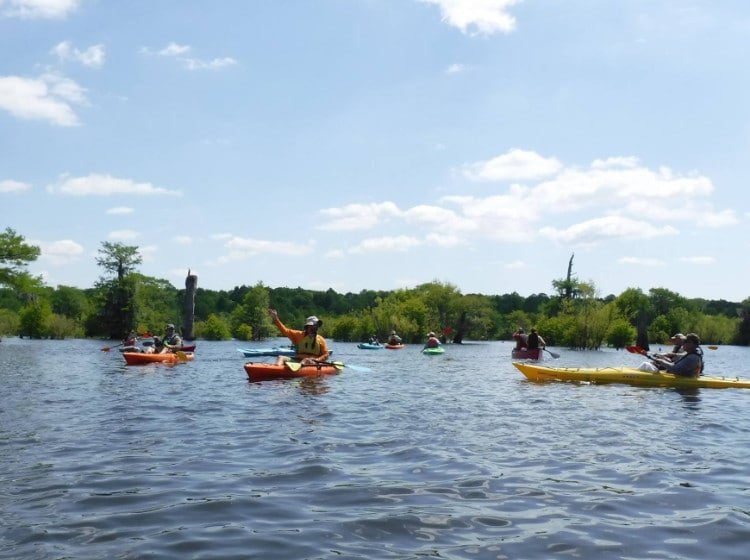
(294, 366)
(181, 356)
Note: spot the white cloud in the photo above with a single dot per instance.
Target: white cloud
(515, 165)
(30, 9)
(477, 16)
(386, 244)
(515, 265)
(45, 98)
(59, 252)
(120, 210)
(242, 248)
(596, 230)
(123, 234)
(334, 254)
(10, 186)
(178, 52)
(454, 69)
(357, 216)
(214, 64)
(148, 252)
(183, 239)
(106, 185)
(92, 57)
(446, 240)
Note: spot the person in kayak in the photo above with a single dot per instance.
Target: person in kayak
(171, 339)
(158, 347)
(394, 339)
(689, 364)
(311, 347)
(432, 340)
(535, 341)
(521, 339)
(678, 340)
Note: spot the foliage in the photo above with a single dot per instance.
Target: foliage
(243, 332)
(15, 254)
(118, 259)
(213, 328)
(620, 333)
(252, 313)
(9, 322)
(35, 319)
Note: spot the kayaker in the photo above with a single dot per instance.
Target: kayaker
(131, 340)
(311, 347)
(158, 347)
(394, 338)
(374, 340)
(172, 340)
(678, 340)
(432, 340)
(689, 364)
(521, 339)
(535, 341)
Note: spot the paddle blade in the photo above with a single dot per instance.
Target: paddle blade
(293, 366)
(341, 365)
(555, 355)
(181, 356)
(712, 347)
(105, 349)
(636, 350)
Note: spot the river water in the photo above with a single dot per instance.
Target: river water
(452, 456)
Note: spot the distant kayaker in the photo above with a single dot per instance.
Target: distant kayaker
(311, 347)
(521, 338)
(689, 364)
(131, 340)
(534, 341)
(432, 340)
(374, 340)
(394, 338)
(172, 340)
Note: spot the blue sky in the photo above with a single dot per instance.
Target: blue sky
(380, 144)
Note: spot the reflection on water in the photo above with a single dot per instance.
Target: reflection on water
(453, 456)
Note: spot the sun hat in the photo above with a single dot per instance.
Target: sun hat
(170, 326)
(430, 333)
(678, 336)
(313, 321)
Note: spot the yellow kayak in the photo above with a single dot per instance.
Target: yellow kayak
(629, 376)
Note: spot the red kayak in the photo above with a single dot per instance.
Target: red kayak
(140, 358)
(390, 346)
(527, 354)
(257, 371)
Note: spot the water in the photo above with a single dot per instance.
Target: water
(453, 456)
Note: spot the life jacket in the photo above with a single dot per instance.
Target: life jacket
(698, 352)
(310, 346)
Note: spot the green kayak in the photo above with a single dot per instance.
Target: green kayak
(433, 351)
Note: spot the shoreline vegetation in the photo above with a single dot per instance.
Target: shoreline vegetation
(574, 315)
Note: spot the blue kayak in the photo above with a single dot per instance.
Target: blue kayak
(370, 346)
(275, 351)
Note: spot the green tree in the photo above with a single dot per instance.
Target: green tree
(213, 328)
(15, 255)
(252, 313)
(35, 319)
(620, 333)
(117, 305)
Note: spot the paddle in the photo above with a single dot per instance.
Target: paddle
(553, 354)
(107, 348)
(181, 356)
(296, 366)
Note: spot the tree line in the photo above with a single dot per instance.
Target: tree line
(573, 315)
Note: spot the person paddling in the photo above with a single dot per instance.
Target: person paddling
(311, 347)
(689, 364)
(432, 340)
(535, 341)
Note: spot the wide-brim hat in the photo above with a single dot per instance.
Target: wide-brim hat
(313, 321)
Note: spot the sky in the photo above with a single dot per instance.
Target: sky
(381, 144)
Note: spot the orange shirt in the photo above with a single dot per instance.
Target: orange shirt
(307, 346)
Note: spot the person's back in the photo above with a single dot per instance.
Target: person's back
(521, 339)
(432, 340)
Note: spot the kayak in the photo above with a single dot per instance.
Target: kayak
(628, 376)
(389, 346)
(369, 346)
(139, 358)
(275, 351)
(433, 351)
(190, 348)
(527, 354)
(257, 371)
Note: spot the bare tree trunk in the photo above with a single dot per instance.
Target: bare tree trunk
(188, 313)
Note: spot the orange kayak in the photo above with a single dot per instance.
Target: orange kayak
(390, 346)
(139, 358)
(257, 371)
